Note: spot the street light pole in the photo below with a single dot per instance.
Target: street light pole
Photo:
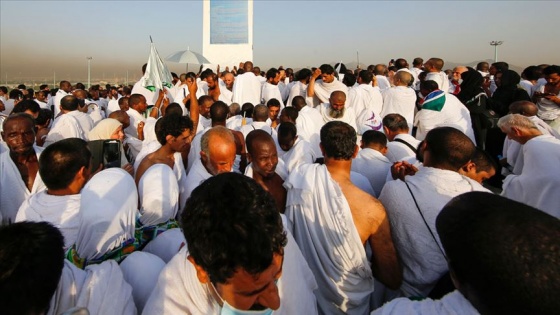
(496, 43)
(89, 71)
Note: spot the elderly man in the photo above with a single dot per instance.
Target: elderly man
(400, 99)
(263, 159)
(333, 221)
(336, 110)
(319, 91)
(455, 86)
(538, 184)
(512, 153)
(217, 156)
(238, 257)
(413, 204)
(227, 81)
(247, 87)
(19, 165)
(218, 114)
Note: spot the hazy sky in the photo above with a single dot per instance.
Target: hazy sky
(38, 38)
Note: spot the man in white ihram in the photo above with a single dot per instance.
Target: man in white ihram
(238, 260)
(333, 221)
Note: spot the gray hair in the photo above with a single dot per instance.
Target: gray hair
(515, 120)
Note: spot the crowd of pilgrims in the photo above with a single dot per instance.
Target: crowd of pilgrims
(394, 189)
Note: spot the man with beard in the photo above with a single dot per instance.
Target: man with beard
(262, 154)
(217, 92)
(270, 88)
(335, 110)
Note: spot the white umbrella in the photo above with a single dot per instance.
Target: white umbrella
(187, 56)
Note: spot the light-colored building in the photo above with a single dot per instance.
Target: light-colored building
(227, 32)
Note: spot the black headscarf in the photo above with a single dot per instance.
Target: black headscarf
(471, 85)
(508, 92)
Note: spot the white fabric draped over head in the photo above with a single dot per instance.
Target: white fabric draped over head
(167, 244)
(109, 205)
(141, 270)
(99, 288)
(159, 195)
(104, 129)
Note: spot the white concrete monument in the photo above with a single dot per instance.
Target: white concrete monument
(227, 32)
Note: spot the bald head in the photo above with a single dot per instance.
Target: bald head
(380, 69)
(402, 78)
(255, 138)
(228, 80)
(298, 102)
(217, 150)
(524, 108)
(338, 95)
(262, 153)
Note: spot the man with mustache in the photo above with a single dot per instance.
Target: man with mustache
(335, 109)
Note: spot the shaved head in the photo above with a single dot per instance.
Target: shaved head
(402, 78)
(524, 108)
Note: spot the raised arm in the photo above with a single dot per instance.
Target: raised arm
(191, 83)
(155, 113)
(311, 85)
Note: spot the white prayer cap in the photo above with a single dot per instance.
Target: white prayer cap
(159, 195)
(108, 207)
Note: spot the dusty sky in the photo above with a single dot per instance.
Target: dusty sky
(41, 38)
